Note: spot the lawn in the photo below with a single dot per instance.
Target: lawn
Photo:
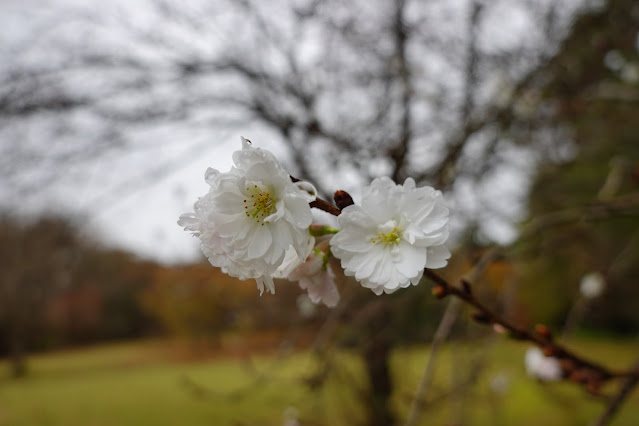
(145, 383)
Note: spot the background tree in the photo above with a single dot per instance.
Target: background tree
(202, 304)
(37, 260)
(592, 89)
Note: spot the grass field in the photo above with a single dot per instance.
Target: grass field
(145, 383)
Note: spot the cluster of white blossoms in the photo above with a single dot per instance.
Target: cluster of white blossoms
(254, 223)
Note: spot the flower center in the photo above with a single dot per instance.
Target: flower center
(390, 239)
(259, 203)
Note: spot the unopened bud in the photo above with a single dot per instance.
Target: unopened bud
(439, 291)
(318, 230)
(549, 350)
(567, 365)
(578, 376)
(593, 386)
(543, 331)
(342, 199)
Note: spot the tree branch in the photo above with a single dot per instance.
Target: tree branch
(616, 401)
(576, 368)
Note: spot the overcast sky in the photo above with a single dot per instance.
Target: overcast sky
(132, 197)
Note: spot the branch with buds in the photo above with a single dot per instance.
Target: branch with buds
(255, 222)
(575, 368)
(589, 374)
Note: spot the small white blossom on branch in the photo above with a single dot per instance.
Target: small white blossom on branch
(542, 367)
(396, 232)
(592, 285)
(251, 216)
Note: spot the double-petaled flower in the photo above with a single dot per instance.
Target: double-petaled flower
(251, 216)
(396, 232)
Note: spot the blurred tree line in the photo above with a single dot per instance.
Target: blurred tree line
(58, 289)
(584, 207)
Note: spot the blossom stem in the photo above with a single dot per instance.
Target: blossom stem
(325, 206)
(317, 230)
(321, 204)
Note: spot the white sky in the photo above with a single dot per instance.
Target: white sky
(132, 199)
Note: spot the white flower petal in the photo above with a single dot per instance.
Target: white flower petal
(411, 259)
(190, 222)
(265, 281)
(306, 190)
(378, 290)
(437, 257)
(260, 242)
(297, 211)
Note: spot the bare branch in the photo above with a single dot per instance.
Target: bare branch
(615, 402)
(578, 369)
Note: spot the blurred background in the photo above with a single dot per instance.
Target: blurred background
(525, 113)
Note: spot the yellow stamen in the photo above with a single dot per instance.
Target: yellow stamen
(389, 239)
(259, 203)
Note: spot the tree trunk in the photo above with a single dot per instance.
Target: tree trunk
(18, 358)
(377, 352)
(377, 359)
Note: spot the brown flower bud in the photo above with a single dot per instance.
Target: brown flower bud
(439, 291)
(567, 365)
(593, 386)
(549, 350)
(342, 199)
(578, 376)
(543, 331)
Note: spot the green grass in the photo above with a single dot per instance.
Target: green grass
(143, 384)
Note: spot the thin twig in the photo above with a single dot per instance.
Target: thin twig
(575, 367)
(326, 206)
(616, 401)
(442, 333)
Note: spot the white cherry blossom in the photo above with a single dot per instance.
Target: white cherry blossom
(592, 285)
(396, 232)
(251, 216)
(542, 367)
